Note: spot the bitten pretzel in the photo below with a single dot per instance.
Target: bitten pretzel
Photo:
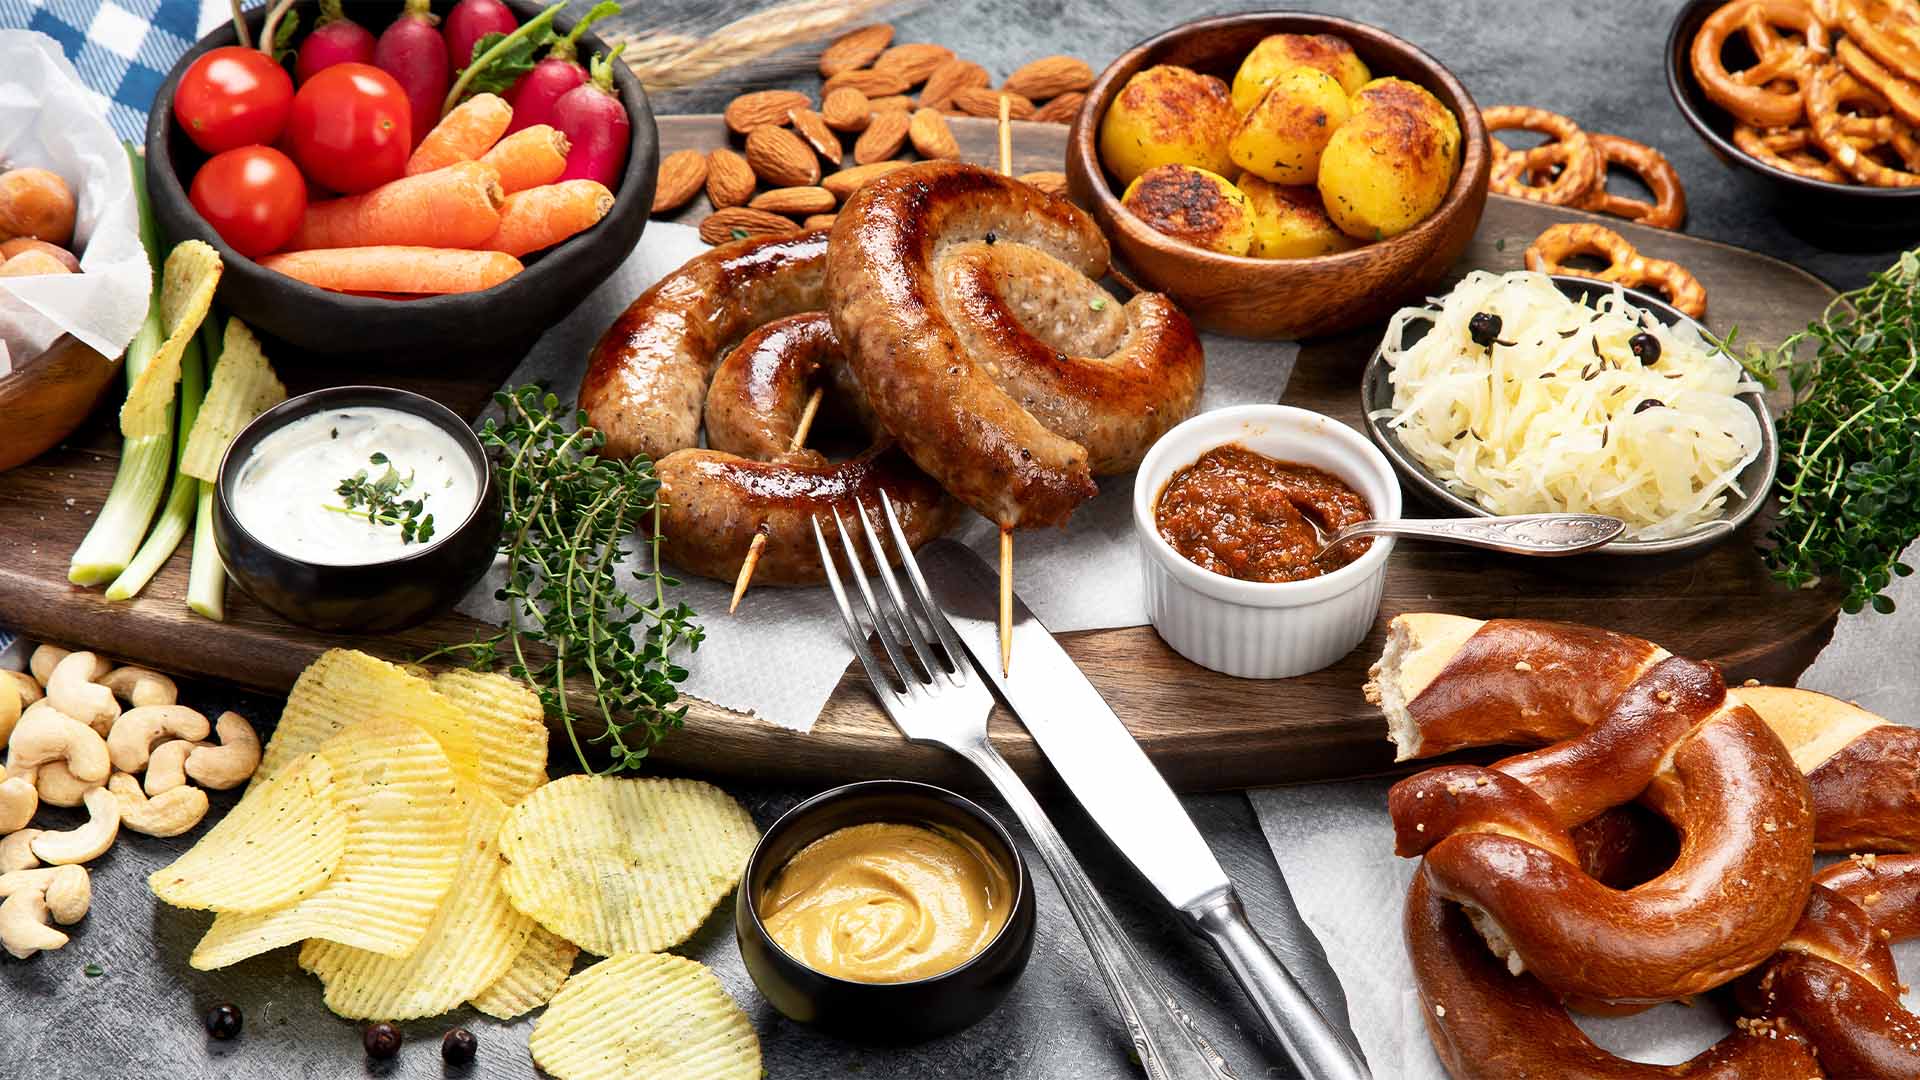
(1580, 166)
(1625, 265)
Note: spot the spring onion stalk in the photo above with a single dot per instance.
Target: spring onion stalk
(177, 515)
(142, 475)
(206, 577)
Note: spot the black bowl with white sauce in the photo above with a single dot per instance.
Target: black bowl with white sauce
(357, 508)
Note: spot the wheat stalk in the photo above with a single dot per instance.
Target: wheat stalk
(672, 59)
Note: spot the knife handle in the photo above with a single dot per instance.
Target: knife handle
(1170, 1047)
(1310, 1041)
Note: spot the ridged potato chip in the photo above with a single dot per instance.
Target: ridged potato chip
(345, 686)
(619, 866)
(509, 730)
(243, 387)
(188, 280)
(279, 843)
(645, 1015)
(539, 969)
(404, 831)
(470, 943)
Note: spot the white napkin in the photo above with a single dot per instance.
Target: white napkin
(50, 121)
(781, 656)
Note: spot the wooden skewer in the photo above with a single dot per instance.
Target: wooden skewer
(760, 538)
(1006, 532)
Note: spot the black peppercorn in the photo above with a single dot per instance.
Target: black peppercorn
(1646, 347)
(223, 1021)
(1649, 403)
(458, 1047)
(382, 1041)
(1484, 329)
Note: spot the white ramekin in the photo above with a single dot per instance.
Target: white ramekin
(1252, 629)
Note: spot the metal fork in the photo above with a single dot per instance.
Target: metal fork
(934, 695)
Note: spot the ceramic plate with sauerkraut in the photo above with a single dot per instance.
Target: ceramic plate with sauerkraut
(1517, 398)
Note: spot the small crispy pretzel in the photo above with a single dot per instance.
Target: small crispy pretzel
(1903, 95)
(1669, 206)
(1749, 94)
(1580, 165)
(1788, 149)
(1888, 30)
(1625, 265)
(1830, 92)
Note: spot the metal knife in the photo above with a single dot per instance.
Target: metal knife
(1125, 795)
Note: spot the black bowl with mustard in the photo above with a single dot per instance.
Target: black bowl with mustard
(886, 912)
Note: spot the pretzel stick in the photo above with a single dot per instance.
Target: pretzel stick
(760, 538)
(1006, 532)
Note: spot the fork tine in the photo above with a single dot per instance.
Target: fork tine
(957, 664)
(854, 634)
(881, 629)
(887, 578)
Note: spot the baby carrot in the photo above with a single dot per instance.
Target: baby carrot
(396, 269)
(454, 207)
(543, 216)
(462, 135)
(529, 157)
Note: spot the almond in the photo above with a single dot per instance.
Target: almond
(855, 49)
(682, 173)
(795, 201)
(1060, 110)
(741, 223)
(730, 180)
(812, 127)
(883, 138)
(781, 158)
(819, 221)
(899, 102)
(913, 62)
(980, 101)
(846, 109)
(847, 181)
(1049, 76)
(952, 76)
(1053, 183)
(868, 81)
(932, 138)
(763, 108)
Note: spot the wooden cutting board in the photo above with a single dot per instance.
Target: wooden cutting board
(1206, 731)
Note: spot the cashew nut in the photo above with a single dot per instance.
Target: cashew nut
(138, 729)
(86, 842)
(232, 762)
(169, 815)
(58, 787)
(28, 686)
(18, 801)
(23, 925)
(10, 706)
(167, 767)
(16, 851)
(138, 686)
(63, 893)
(72, 690)
(46, 734)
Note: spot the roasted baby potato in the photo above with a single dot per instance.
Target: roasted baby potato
(1200, 207)
(1167, 115)
(1290, 222)
(1392, 163)
(1280, 53)
(1282, 137)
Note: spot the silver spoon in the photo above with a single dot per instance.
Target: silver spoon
(1515, 534)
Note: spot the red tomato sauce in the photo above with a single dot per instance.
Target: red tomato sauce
(1245, 515)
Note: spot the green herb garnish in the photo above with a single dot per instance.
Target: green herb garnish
(1849, 446)
(379, 501)
(567, 511)
(93, 971)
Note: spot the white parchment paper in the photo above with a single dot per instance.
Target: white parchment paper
(782, 655)
(49, 120)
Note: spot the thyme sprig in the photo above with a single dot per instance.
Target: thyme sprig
(567, 511)
(1849, 482)
(379, 501)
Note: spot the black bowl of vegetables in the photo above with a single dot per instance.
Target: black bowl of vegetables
(301, 167)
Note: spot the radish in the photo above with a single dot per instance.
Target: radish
(534, 95)
(593, 119)
(471, 20)
(414, 53)
(335, 39)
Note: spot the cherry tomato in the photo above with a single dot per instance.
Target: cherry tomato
(233, 97)
(352, 129)
(253, 197)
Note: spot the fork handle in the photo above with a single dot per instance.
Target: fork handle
(1170, 1047)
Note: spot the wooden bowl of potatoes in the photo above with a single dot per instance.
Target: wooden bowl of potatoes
(1281, 174)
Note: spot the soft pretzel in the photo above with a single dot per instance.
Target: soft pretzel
(1580, 166)
(1782, 59)
(1550, 251)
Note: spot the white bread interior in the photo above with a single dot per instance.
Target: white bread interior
(1813, 725)
(1419, 645)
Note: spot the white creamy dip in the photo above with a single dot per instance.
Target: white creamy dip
(287, 492)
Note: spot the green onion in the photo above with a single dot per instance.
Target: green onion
(206, 576)
(177, 515)
(136, 490)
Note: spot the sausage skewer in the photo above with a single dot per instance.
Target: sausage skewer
(1006, 531)
(760, 538)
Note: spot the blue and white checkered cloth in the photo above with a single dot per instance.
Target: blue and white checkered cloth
(122, 48)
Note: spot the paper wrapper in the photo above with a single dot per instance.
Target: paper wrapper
(49, 120)
(781, 656)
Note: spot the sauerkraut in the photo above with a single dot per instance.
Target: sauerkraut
(1558, 413)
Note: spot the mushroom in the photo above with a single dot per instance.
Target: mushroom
(59, 787)
(18, 801)
(16, 851)
(71, 689)
(62, 893)
(46, 734)
(28, 686)
(138, 686)
(167, 766)
(137, 729)
(232, 762)
(85, 842)
(169, 815)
